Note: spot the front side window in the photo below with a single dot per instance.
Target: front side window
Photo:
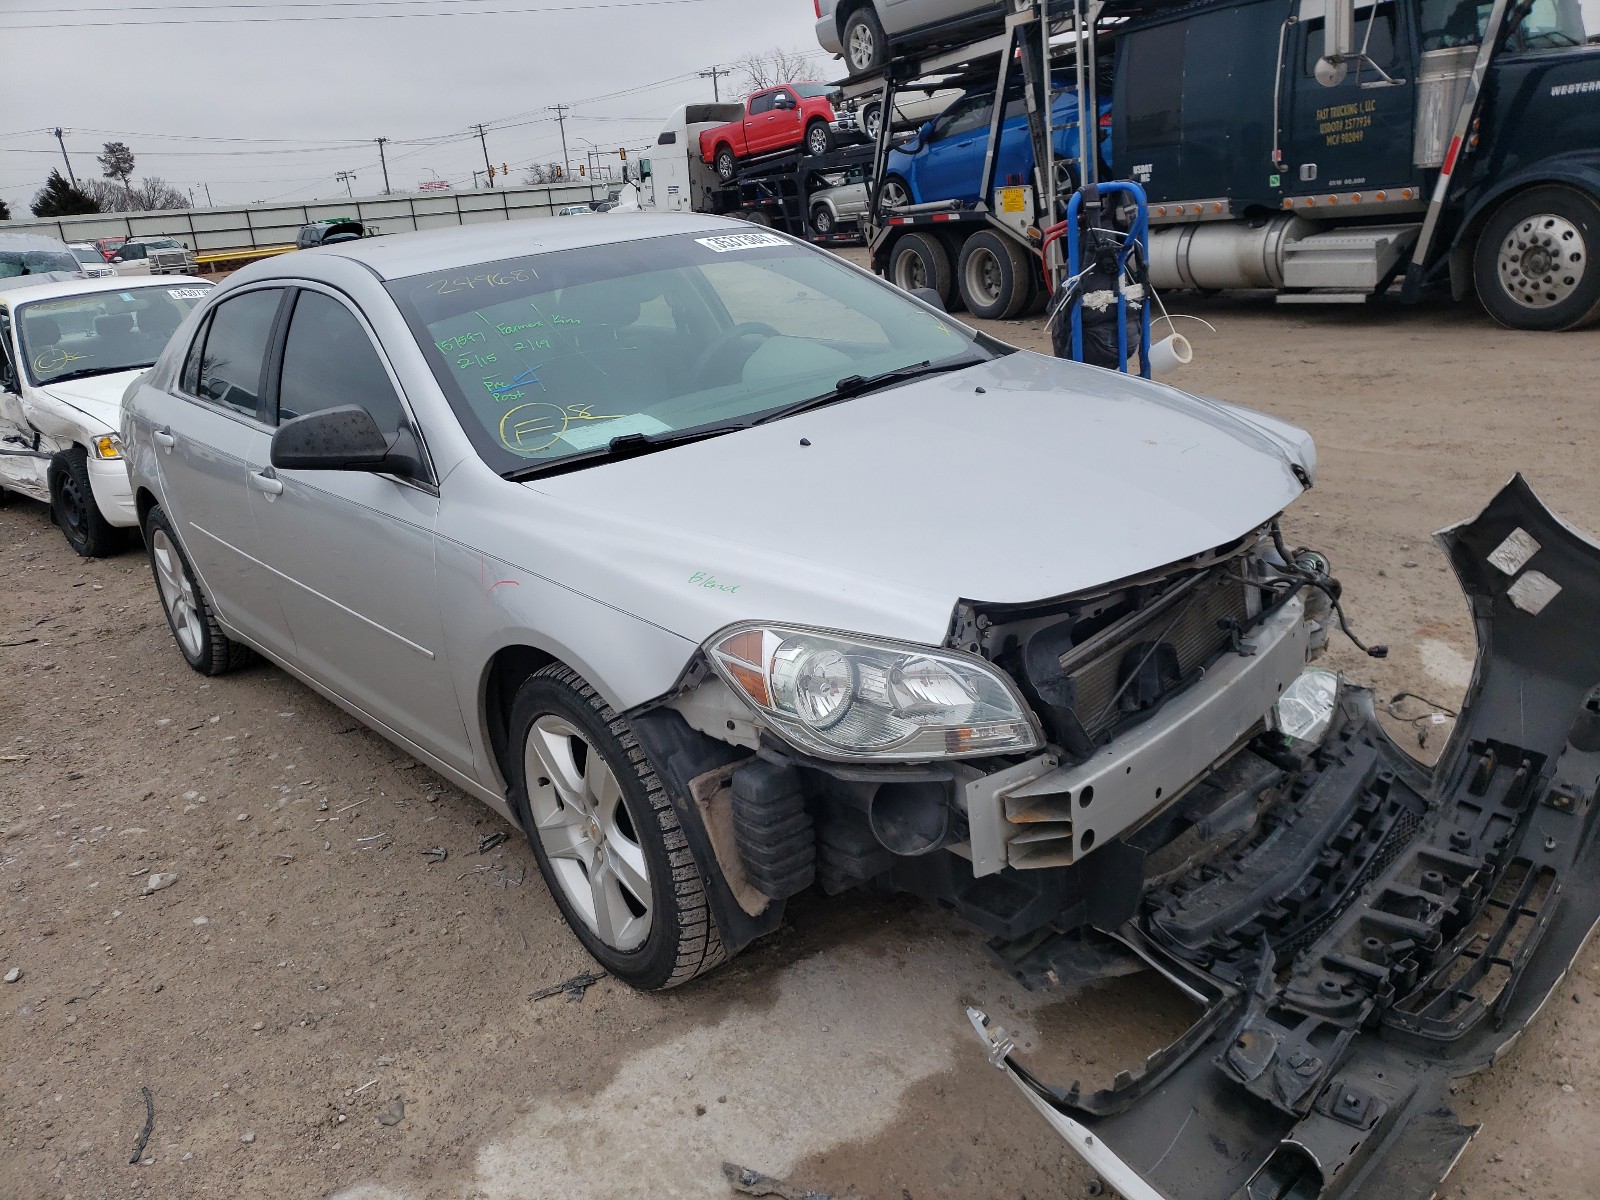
(235, 351)
(556, 354)
(99, 333)
(968, 116)
(328, 361)
(762, 103)
(1374, 34)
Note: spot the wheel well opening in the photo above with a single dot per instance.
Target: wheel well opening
(848, 10)
(509, 669)
(143, 501)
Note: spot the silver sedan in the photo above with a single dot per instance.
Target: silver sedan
(702, 556)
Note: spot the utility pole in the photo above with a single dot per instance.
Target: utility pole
(207, 187)
(714, 74)
(70, 175)
(489, 166)
(345, 177)
(561, 111)
(385, 164)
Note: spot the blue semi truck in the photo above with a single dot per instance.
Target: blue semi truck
(1323, 149)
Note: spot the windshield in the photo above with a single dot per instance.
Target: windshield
(1548, 25)
(556, 354)
(88, 254)
(812, 90)
(101, 332)
(160, 244)
(15, 263)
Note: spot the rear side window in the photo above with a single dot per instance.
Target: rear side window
(235, 351)
(328, 361)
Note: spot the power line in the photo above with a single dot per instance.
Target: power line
(401, 16)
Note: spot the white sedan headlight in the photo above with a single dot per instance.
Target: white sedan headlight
(844, 696)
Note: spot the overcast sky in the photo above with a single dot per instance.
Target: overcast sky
(323, 85)
(304, 94)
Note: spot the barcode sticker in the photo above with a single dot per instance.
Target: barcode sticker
(741, 241)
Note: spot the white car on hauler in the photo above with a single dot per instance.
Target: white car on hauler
(67, 353)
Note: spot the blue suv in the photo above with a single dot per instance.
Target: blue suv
(944, 159)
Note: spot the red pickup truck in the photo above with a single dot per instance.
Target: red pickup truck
(779, 118)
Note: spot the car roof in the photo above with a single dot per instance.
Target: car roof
(403, 254)
(28, 293)
(30, 241)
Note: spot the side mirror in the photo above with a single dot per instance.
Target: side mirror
(345, 438)
(117, 258)
(929, 297)
(783, 101)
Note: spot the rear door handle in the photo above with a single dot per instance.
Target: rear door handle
(164, 439)
(263, 482)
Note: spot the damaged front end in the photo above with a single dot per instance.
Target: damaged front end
(1383, 928)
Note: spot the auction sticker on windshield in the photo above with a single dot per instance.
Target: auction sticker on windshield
(741, 241)
(188, 293)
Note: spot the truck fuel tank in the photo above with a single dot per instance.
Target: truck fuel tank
(1224, 254)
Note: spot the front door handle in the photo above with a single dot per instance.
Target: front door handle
(263, 482)
(164, 439)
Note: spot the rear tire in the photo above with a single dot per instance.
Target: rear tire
(73, 507)
(920, 260)
(819, 138)
(727, 165)
(194, 625)
(605, 833)
(863, 40)
(993, 276)
(1535, 265)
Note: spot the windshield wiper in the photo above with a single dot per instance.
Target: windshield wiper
(628, 445)
(860, 385)
(86, 372)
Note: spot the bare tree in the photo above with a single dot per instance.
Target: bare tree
(116, 160)
(148, 194)
(759, 71)
(538, 173)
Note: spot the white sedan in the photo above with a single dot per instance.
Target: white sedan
(67, 353)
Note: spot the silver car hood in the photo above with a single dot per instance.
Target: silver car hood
(1017, 480)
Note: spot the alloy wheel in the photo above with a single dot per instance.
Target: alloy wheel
(587, 833)
(177, 593)
(863, 48)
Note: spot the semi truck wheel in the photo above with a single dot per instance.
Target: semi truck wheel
(819, 138)
(920, 260)
(726, 163)
(1534, 263)
(993, 276)
(863, 41)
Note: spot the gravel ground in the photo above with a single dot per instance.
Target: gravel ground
(316, 1007)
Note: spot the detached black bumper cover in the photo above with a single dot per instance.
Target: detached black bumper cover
(1390, 929)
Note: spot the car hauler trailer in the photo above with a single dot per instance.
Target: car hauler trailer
(1321, 149)
(774, 190)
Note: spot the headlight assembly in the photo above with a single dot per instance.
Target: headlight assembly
(843, 696)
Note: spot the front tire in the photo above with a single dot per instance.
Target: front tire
(819, 138)
(73, 506)
(606, 836)
(1534, 265)
(189, 614)
(863, 41)
(822, 219)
